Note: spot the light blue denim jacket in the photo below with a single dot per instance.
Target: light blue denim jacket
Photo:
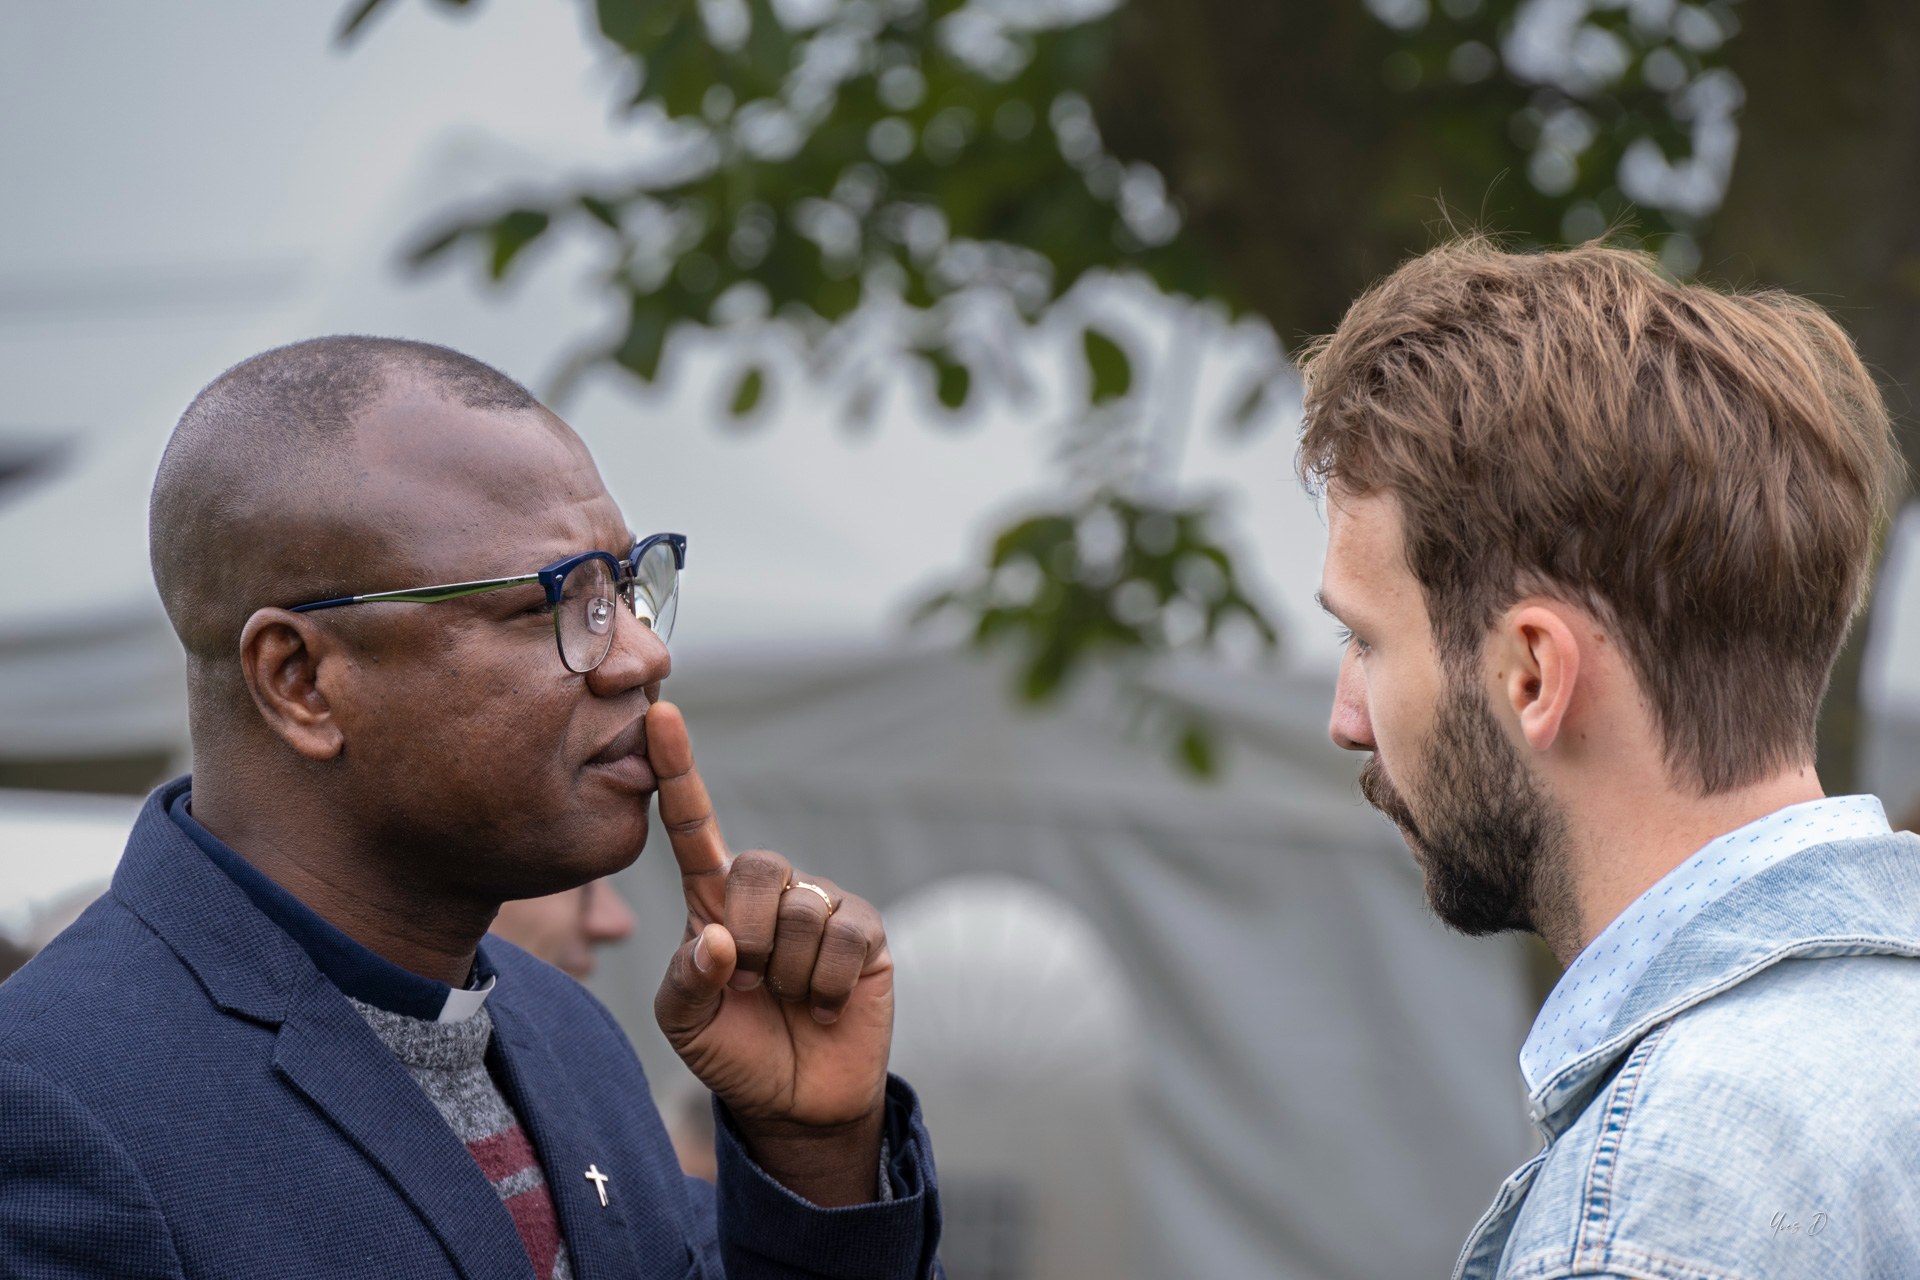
(1753, 1112)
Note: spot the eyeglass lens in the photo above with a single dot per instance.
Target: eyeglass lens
(585, 615)
(656, 589)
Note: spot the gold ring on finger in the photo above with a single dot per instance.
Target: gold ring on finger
(825, 897)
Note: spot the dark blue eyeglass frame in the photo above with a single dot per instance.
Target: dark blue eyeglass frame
(624, 572)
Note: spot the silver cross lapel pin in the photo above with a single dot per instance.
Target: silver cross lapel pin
(599, 1181)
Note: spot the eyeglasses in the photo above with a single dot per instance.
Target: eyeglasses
(581, 591)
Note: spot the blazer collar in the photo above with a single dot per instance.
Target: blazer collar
(248, 965)
(1847, 898)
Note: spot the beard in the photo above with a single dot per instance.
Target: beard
(1491, 843)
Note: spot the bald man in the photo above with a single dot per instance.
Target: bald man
(425, 653)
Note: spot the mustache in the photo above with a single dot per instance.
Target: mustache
(1380, 793)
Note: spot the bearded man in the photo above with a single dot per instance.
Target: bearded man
(425, 653)
(1596, 537)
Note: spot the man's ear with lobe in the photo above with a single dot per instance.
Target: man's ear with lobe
(1536, 656)
(282, 655)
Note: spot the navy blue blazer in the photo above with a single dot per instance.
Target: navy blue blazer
(183, 1094)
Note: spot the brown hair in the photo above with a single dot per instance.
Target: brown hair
(1707, 472)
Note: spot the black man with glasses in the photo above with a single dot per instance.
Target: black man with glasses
(284, 1044)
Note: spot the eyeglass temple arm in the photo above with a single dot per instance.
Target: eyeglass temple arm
(422, 595)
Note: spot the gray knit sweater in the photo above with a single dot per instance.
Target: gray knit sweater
(449, 1061)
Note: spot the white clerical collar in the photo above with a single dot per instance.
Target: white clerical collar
(462, 1005)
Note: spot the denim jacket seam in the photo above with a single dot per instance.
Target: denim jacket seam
(1513, 1192)
(1626, 1263)
(1605, 1160)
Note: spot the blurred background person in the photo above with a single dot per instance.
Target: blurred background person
(690, 1128)
(12, 956)
(565, 929)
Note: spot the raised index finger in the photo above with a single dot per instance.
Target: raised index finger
(685, 810)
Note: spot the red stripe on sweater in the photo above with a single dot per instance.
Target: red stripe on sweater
(533, 1216)
(501, 1155)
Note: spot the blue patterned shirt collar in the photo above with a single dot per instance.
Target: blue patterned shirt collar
(1582, 1005)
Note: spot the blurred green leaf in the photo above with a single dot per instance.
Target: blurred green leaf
(1109, 371)
(434, 246)
(1033, 538)
(356, 17)
(681, 65)
(835, 299)
(1047, 672)
(646, 337)
(631, 25)
(1195, 750)
(952, 380)
(769, 49)
(512, 232)
(746, 392)
(931, 607)
(1250, 405)
(602, 211)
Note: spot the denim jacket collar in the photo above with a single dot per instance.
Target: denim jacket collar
(1850, 897)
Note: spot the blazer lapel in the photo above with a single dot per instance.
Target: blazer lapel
(600, 1238)
(327, 1053)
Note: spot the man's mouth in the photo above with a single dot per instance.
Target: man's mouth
(1380, 793)
(624, 759)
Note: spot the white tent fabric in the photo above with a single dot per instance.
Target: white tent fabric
(55, 850)
(1017, 1025)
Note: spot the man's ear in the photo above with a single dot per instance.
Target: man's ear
(281, 654)
(1537, 653)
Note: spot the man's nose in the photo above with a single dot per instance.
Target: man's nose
(608, 918)
(1351, 728)
(638, 658)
